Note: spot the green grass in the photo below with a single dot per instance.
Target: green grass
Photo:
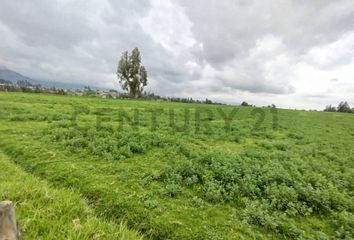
(48, 213)
(246, 181)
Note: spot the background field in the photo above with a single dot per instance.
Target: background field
(171, 177)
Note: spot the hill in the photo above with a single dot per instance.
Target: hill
(12, 76)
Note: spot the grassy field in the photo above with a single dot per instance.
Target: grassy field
(49, 213)
(175, 171)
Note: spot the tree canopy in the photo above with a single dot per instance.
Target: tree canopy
(342, 107)
(131, 74)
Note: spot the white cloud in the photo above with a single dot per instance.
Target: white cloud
(167, 25)
(284, 52)
(337, 53)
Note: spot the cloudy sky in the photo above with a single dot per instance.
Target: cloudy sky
(294, 53)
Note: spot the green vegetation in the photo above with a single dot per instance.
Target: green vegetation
(342, 107)
(48, 213)
(131, 74)
(181, 171)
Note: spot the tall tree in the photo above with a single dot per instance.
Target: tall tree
(244, 104)
(344, 107)
(330, 108)
(131, 74)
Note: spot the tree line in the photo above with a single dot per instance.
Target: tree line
(342, 107)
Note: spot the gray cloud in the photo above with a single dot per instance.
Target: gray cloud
(229, 30)
(191, 48)
(41, 22)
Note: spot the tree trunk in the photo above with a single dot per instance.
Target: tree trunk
(8, 225)
(136, 94)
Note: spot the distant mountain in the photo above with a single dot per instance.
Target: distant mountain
(12, 76)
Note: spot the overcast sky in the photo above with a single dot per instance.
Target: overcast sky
(294, 53)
